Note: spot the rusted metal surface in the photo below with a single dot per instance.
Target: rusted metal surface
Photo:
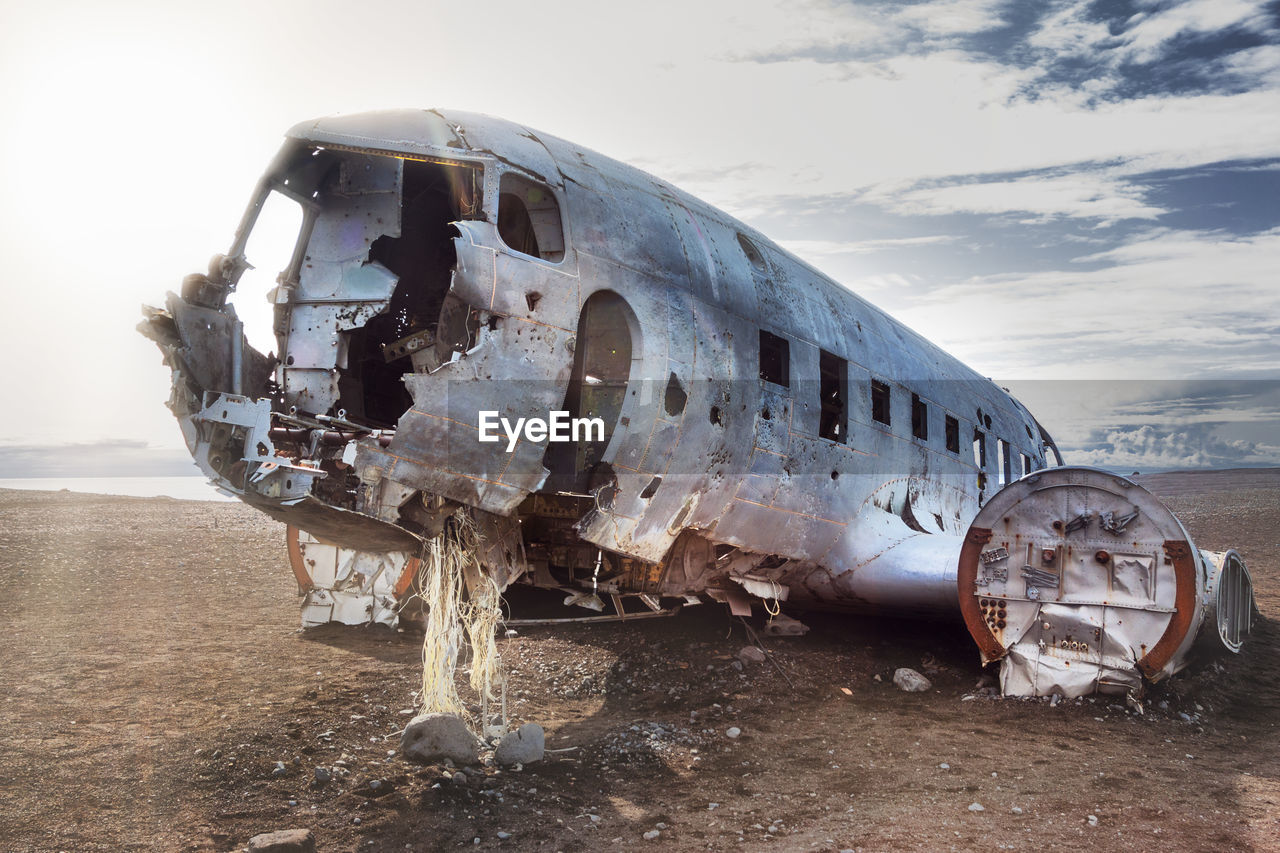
(768, 435)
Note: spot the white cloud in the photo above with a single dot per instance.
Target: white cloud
(1146, 448)
(1089, 195)
(829, 248)
(1073, 30)
(951, 17)
(1167, 304)
(1151, 32)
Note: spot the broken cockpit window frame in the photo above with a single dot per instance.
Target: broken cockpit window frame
(269, 253)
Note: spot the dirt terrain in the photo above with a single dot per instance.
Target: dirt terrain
(156, 676)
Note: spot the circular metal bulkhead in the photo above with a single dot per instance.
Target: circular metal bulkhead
(1079, 581)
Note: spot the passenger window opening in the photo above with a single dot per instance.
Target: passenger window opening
(879, 402)
(1026, 464)
(980, 449)
(529, 218)
(833, 373)
(1006, 467)
(953, 434)
(775, 359)
(919, 418)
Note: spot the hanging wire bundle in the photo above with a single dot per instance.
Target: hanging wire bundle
(464, 605)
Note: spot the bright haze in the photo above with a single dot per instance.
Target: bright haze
(1079, 199)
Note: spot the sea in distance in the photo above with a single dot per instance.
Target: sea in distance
(184, 488)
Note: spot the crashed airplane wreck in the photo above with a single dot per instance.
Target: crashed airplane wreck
(464, 293)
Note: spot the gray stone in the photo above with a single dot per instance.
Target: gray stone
(432, 737)
(783, 625)
(911, 681)
(526, 744)
(323, 776)
(284, 841)
(751, 654)
(976, 807)
(733, 732)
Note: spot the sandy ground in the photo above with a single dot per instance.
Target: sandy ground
(155, 677)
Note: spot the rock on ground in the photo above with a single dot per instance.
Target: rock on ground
(783, 625)
(526, 744)
(751, 654)
(283, 841)
(432, 737)
(911, 681)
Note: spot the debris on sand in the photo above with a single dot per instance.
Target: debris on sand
(751, 654)
(432, 737)
(523, 746)
(911, 681)
(283, 841)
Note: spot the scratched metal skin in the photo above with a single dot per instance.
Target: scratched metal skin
(714, 480)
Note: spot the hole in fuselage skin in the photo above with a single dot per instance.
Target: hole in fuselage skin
(675, 397)
(422, 257)
(650, 489)
(715, 416)
(531, 299)
(766, 414)
(835, 475)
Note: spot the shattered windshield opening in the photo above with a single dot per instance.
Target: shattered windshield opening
(269, 251)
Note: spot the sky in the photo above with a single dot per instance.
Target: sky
(1078, 199)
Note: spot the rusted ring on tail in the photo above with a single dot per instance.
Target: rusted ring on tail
(966, 577)
(300, 573)
(1184, 572)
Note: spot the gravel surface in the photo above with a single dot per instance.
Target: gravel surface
(161, 697)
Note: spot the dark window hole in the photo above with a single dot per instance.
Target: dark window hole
(651, 488)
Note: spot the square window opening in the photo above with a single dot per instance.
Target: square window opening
(919, 418)
(879, 402)
(833, 372)
(953, 434)
(775, 359)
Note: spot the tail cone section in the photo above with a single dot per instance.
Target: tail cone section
(1080, 581)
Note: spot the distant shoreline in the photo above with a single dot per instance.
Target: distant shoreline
(186, 487)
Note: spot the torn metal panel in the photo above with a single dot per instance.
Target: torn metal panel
(348, 586)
